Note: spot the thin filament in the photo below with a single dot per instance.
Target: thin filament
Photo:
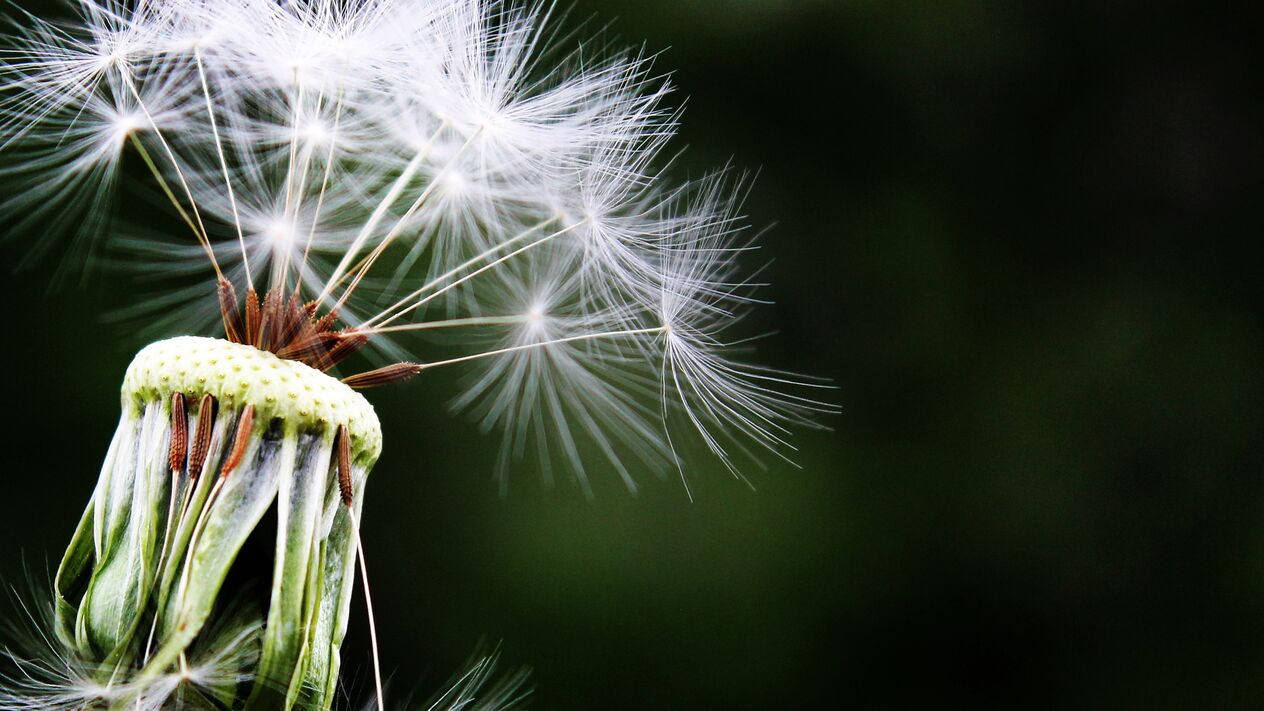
(531, 346)
(223, 162)
(368, 604)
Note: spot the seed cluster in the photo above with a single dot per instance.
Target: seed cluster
(237, 375)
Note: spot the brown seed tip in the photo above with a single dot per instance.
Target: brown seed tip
(343, 444)
(179, 434)
(229, 310)
(394, 373)
(245, 424)
(254, 318)
(202, 437)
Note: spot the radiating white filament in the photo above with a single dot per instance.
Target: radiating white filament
(461, 178)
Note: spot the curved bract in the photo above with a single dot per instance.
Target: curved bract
(213, 436)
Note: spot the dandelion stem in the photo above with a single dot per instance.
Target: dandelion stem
(378, 213)
(542, 344)
(423, 300)
(295, 104)
(175, 164)
(368, 604)
(399, 225)
(166, 187)
(223, 162)
(389, 314)
(281, 267)
(324, 185)
(448, 323)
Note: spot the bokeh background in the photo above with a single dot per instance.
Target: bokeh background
(1022, 240)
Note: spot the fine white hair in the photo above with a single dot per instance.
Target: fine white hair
(417, 165)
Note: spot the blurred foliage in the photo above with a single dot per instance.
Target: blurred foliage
(1013, 235)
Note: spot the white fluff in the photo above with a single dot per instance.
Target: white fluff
(423, 164)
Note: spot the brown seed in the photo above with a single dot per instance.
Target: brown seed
(326, 322)
(293, 319)
(179, 434)
(202, 437)
(343, 444)
(253, 317)
(393, 373)
(273, 319)
(305, 347)
(244, 425)
(230, 311)
(345, 344)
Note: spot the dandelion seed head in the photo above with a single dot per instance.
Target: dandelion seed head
(413, 166)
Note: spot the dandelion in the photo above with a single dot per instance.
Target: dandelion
(341, 178)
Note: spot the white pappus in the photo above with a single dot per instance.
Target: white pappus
(417, 165)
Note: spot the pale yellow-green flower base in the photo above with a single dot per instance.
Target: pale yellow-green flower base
(141, 592)
(237, 375)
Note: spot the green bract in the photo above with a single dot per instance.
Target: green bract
(144, 575)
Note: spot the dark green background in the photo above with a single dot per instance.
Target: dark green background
(1012, 233)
